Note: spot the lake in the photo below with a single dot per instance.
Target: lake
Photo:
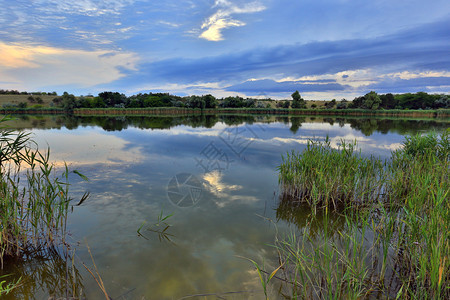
(178, 204)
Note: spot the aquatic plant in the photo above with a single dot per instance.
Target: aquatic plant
(395, 242)
(326, 177)
(33, 201)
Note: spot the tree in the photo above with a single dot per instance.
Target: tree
(249, 102)
(153, 101)
(68, 102)
(196, 102)
(112, 98)
(297, 100)
(235, 102)
(330, 104)
(342, 105)
(388, 101)
(372, 100)
(357, 102)
(210, 101)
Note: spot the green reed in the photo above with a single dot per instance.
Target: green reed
(326, 177)
(395, 241)
(33, 202)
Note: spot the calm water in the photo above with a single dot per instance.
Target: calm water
(215, 176)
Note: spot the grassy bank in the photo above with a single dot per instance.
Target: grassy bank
(393, 241)
(441, 113)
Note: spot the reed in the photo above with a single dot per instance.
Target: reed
(34, 203)
(325, 177)
(395, 241)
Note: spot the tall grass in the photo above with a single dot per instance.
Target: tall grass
(33, 202)
(395, 242)
(325, 177)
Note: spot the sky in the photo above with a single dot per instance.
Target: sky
(325, 49)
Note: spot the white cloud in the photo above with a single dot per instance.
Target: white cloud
(33, 67)
(420, 74)
(83, 7)
(70, 147)
(224, 192)
(222, 19)
(169, 24)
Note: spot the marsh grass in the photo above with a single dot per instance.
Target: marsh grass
(395, 240)
(325, 177)
(33, 201)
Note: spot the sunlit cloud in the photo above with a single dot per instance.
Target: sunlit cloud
(37, 66)
(214, 181)
(222, 19)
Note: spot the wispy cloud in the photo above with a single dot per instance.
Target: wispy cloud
(222, 18)
(83, 7)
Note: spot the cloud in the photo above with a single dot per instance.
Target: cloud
(271, 86)
(83, 7)
(222, 19)
(64, 23)
(350, 65)
(33, 67)
(399, 85)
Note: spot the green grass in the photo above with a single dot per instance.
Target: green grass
(324, 177)
(394, 242)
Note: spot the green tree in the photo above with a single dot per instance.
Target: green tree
(388, 101)
(358, 102)
(297, 100)
(330, 104)
(153, 101)
(210, 101)
(111, 99)
(68, 102)
(196, 102)
(235, 102)
(372, 100)
(342, 105)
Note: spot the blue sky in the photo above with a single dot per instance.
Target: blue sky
(324, 48)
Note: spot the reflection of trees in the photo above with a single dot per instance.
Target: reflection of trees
(284, 119)
(401, 126)
(296, 123)
(329, 120)
(116, 123)
(46, 273)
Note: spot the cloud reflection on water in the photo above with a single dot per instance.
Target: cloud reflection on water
(129, 172)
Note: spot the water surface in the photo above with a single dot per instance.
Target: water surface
(137, 168)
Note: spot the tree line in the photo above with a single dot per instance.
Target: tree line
(146, 100)
(108, 99)
(372, 100)
(16, 92)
